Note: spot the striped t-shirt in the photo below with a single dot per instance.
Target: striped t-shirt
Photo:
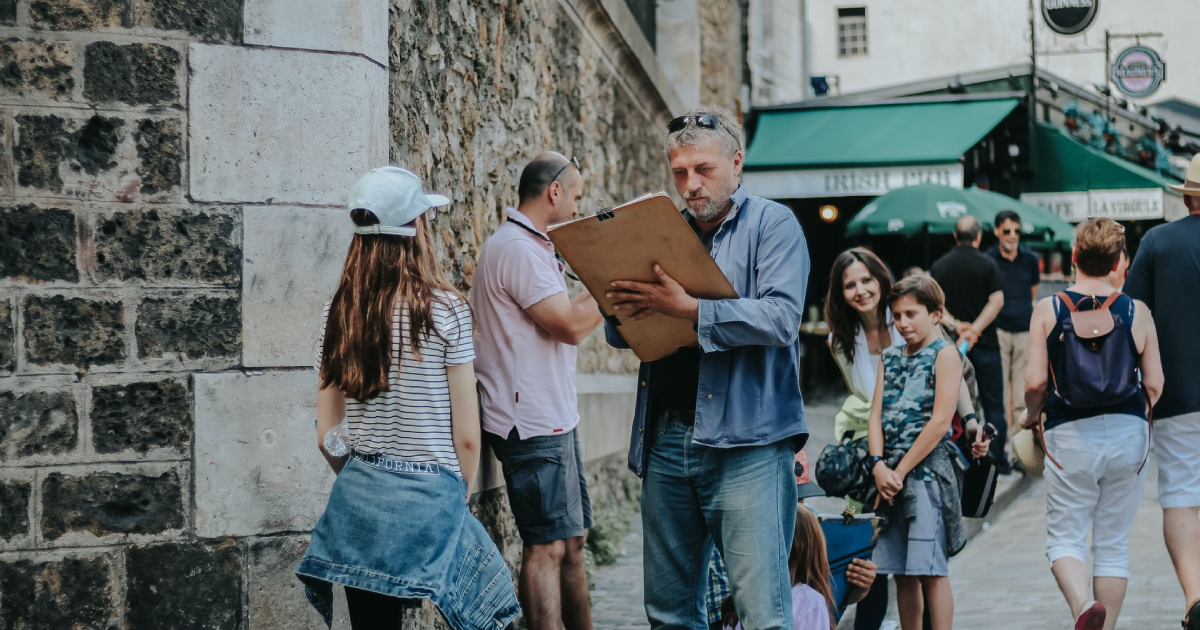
(410, 420)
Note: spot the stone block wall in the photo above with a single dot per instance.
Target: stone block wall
(137, 138)
(172, 179)
(115, 288)
(171, 222)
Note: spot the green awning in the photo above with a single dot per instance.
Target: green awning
(1064, 164)
(876, 135)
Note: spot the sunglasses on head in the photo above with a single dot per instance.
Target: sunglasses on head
(572, 162)
(704, 121)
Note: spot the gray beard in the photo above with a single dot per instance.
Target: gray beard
(712, 209)
(709, 212)
(1008, 248)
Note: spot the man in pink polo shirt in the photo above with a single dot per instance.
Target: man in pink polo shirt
(527, 328)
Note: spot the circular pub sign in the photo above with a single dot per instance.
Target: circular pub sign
(1068, 17)
(1138, 72)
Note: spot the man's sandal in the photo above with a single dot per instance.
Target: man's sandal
(1092, 617)
(1192, 620)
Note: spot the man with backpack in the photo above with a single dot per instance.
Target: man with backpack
(1166, 276)
(1086, 346)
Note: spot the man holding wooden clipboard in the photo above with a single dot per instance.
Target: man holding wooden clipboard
(717, 427)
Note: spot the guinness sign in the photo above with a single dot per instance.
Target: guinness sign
(1068, 17)
(1138, 72)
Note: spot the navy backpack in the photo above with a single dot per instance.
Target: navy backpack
(1099, 365)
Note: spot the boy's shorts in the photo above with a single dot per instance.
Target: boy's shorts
(916, 547)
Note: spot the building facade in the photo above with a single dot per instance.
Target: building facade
(863, 45)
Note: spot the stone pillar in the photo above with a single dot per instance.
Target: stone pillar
(174, 175)
(679, 48)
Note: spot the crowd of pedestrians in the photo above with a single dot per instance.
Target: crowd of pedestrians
(941, 368)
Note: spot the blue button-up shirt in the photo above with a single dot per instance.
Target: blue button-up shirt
(749, 391)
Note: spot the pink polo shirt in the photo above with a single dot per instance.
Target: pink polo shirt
(526, 378)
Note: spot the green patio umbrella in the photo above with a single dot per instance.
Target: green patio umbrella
(913, 210)
(1041, 228)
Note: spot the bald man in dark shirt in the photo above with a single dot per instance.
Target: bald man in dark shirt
(974, 291)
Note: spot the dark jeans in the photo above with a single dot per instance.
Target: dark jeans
(989, 376)
(372, 611)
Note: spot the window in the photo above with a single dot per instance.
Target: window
(852, 32)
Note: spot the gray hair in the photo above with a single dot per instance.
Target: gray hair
(966, 229)
(728, 133)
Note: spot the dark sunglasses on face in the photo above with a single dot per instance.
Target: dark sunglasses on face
(572, 162)
(1008, 231)
(703, 121)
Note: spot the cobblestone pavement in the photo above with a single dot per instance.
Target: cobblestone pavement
(617, 589)
(1001, 580)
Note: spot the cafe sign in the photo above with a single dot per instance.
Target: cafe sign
(1068, 17)
(848, 182)
(1138, 72)
(1119, 205)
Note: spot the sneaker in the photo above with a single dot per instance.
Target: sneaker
(1092, 617)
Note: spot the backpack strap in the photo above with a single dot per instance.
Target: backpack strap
(1073, 306)
(1149, 431)
(1042, 438)
(1066, 300)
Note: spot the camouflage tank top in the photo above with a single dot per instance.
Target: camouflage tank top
(908, 387)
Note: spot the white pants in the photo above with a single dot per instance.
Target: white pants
(1099, 488)
(1177, 448)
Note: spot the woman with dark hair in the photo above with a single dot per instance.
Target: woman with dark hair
(860, 325)
(398, 421)
(861, 328)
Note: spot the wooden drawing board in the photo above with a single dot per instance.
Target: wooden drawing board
(625, 243)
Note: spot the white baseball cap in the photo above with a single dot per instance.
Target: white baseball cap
(395, 197)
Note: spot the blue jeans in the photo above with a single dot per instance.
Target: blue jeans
(989, 376)
(741, 499)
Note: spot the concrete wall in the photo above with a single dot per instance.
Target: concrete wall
(775, 52)
(173, 174)
(910, 40)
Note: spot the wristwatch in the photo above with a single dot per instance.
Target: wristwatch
(869, 463)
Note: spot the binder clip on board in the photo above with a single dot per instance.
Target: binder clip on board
(624, 243)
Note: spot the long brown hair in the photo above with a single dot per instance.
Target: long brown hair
(382, 273)
(807, 564)
(842, 318)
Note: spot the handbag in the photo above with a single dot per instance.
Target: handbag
(1028, 450)
(839, 470)
(979, 488)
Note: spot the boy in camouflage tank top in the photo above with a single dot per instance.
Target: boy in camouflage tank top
(913, 406)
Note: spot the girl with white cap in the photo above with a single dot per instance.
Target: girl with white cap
(398, 421)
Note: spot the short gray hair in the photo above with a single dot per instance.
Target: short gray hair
(729, 133)
(966, 229)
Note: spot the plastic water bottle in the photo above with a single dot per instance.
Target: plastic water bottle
(337, 440)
